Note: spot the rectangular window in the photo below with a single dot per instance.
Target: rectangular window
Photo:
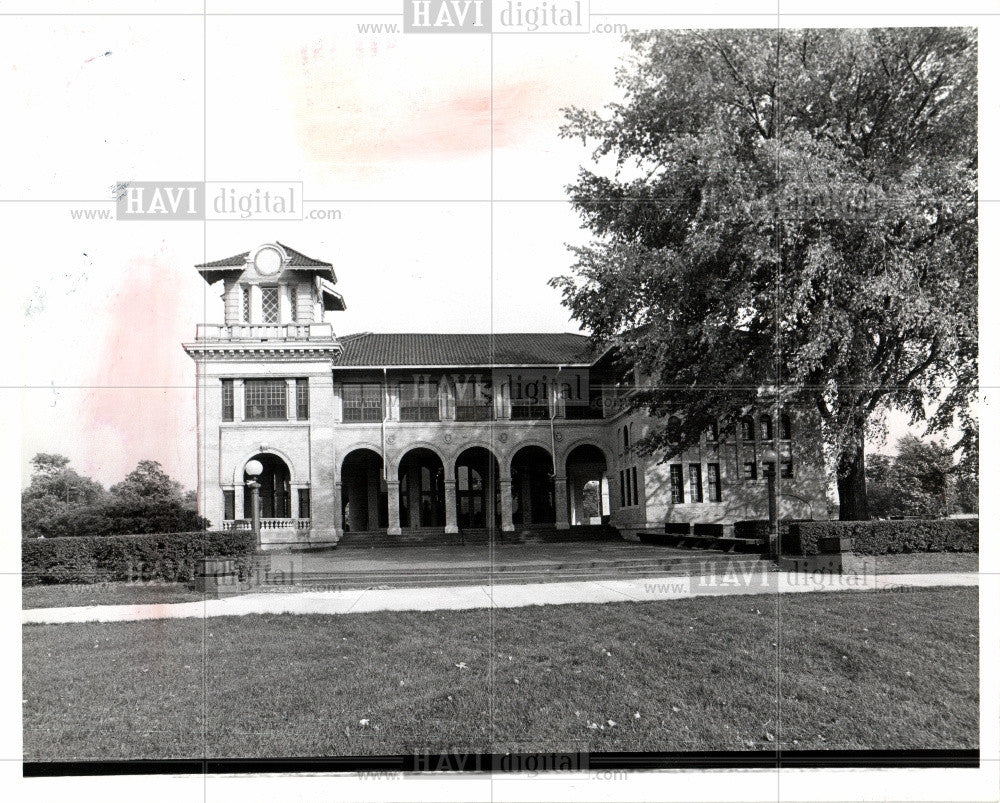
(786, 427)
(304, 512)
(621, 486)
(750, 470)
(786, 469)
(265, 399)
(694, 482)
(714, 483)
(227, 400)
(768, 467)
(635, 487)
(677, 485)
(362, 402)
(302, 399)
(245, 302)
(269, 304)
(418, 401)
(229, 505)
(628, 487)
(293, 302)
(712, 432)
(523, 408)
(473, 401)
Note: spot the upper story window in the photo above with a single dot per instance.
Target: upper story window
(786, 427)
(473, 401)
(293, 302)
(227, 400)
(269, 304)
(266, 399)
(302, 399)
(625, 437)
(712, 432)
(746, 428)
(674, 429)
(525, 408)
(766, 428)
(362, 401)
(245, 303)
(418, 401)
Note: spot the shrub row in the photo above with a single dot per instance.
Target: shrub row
(166, 556)
(884, 537)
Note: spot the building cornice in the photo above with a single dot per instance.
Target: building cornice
(247, 352)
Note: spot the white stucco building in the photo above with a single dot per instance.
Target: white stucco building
(417, 434)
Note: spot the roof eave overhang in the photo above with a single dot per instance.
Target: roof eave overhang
(429, 367)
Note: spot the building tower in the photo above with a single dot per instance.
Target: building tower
(265, 392)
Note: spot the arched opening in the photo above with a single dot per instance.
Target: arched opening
(586, 485)
(532, 487)
(275, 488)
(477, 489)
(421, 489)
(363, 497)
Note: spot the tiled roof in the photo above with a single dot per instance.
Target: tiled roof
(213, 271)
(378, 350)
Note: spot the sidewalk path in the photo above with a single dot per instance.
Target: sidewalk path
(644, 589)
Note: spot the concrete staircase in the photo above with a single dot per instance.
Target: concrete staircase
(620, 568)
(436, 536)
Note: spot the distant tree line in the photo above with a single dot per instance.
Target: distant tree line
(921, 479)
(61, 502)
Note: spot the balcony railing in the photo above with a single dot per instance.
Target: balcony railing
(265, 331)
(268, 524)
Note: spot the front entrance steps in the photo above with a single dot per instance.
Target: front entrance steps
(541, 563)
(436, 536)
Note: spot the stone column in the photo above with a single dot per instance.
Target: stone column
(393, 490)
(338, 510)
(562, 514)
(450, 507)
(506, 507)
(373, 489)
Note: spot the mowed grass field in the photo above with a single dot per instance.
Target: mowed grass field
(827, 670)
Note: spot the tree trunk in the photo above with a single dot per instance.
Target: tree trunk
(851, 487)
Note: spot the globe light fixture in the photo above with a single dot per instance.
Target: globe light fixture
(253, 469)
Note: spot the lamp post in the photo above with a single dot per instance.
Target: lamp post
(771, 459)
(253, 470)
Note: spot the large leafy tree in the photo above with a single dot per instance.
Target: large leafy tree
(792, 210)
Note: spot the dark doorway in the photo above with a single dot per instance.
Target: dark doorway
(363, 497)
(532, 487)
(275, 489)
(421, 489)
(477, 489)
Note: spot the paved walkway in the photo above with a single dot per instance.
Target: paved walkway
(501, 596)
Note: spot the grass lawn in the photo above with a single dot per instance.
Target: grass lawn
(854, 670)
(914, 563)
(76, 594)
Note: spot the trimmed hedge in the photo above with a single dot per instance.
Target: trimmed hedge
(752, 528)
(708, 530)
(166, 556)
(677, 528)
(885, 537)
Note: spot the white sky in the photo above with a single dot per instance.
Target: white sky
(392, 131)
